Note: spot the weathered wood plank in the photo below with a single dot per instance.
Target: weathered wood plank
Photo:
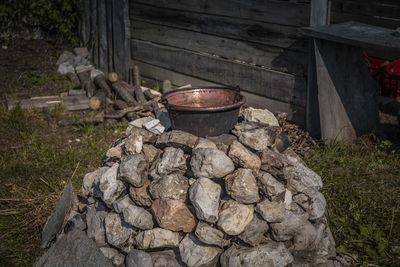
(277, 85)
(102, 28)
(94, 34)
(347, 92)
(356, 34)
(257, 54)
(234, 28)
(295, 113)
(279, 12)
(318, 16)
(110, 32)
(368, 8)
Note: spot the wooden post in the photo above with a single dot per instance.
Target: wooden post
(318, 17)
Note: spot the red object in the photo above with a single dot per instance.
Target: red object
(387, 75)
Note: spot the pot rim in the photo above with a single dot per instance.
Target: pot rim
(164, 99)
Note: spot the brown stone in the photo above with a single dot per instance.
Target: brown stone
(242, 186)
(173, 215)
(243, 157)
(151, 153)
(140, 195)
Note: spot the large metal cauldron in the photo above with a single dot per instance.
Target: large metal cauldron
(204, 111)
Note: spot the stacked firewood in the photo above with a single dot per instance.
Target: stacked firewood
(113, 98)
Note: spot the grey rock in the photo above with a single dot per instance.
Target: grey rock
(81, 51)
(173, 186)
(172, 160)
(90, 179)
(137, 216)
(116, 232)
(243, 157)
(65, 68)
(282, 142)
(257, 136)
(66, 56)
(273, 162)
(204, 195)
(270, 186)
(113, 255)
(270, 254)
(157, 238)
(141, 196)
(287, 229)
(138, 258)
(242, 186)
(177, 139)
(271, 211)
(302, 180)
(292, 156)
(211, 163)
(305, 237)
(95, 225)
(74, 249)
(75, 223)
(193, 253)
(136, 138)
(133, 169)
(165, 258)
(234, 217)
(253, 233)
(317, 207)
(151, 153)
(138, 123)
(110, 186)
(209, 235)
(204, 143)
(260, 115)
(122, 203)
(114, 153)
(302, 200)
(225, 139)
(54, 223)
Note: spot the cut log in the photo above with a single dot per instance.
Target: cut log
(119, 104)
(138, 91)
(76, 92)
(125, 111)
(71, 103)
(113, 77)
(101, 82)
(121, 88)
(149, 95)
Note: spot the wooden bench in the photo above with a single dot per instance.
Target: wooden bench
(347, 93)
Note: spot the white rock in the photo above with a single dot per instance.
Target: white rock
(89, 181)
(234, 217)
(205, 195)
(204, 143)
(173, 186)
(253, 233)
(211, 163)
(150, 123)
(172, 160)
(133, 169)
(288, 199)
(136, 123)
(260, 115)
(157, 238)
(288, 228)
(82, 68)
(193, 253)
(137, 216)
(210, 235)
(110, 185)
(94, 73)
(242, 186)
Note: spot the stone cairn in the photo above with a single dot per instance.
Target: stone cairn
(240, 199)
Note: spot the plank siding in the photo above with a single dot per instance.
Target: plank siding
(272, 84)
(384, 13)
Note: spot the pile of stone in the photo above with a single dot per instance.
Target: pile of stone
(174, 199)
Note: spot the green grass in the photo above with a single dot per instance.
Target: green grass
(37, 160)
(362, 188)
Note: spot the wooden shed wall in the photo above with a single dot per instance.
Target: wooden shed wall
(384, 13)
(254, 44)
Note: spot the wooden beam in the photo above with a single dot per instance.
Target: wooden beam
(318, 16)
